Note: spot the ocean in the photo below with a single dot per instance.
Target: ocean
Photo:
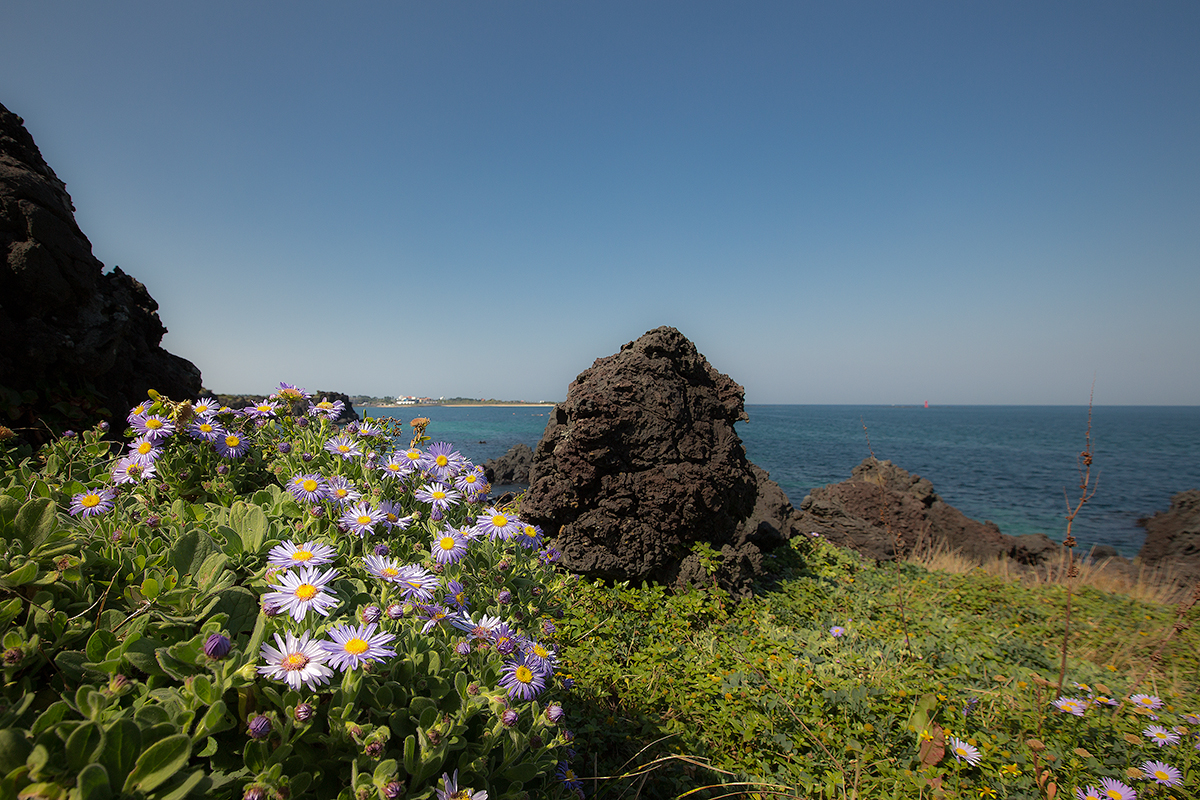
(1007, 464)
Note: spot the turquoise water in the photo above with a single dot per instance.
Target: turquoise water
(1007, 464)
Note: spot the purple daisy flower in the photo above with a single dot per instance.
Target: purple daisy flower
(1146, 701)
(529, 536)
(350, 645)
(568, 777)
(478, 630)
(343, 446)
(297, 592)
(327, 409)
(441, 461)
(542, 658)
(263, 409)
(137, 412)
(433, 616)
(93, 502)
(232, 445)
(205, 429)
(154, 427)
(310, 554)
(496, 525)
(471, 481)
(341, 491)
(205, 407)
(412, 458)
(144, 450)
(521, 680)
(450, 790)
(456, 595)
(1162, 773)
(1071, 705)
(417, 583)
(1161, 736)
(308, 488)
(289, 392)
(130, 470)
(505, 639)
(391, 515)
(386, 569)
(438, 496)
(1115, 790)
(361, 519)
(296, 661)
(449, 547)
(396, 467)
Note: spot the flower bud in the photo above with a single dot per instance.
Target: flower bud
(255, 792)
(393, 789)
(260, 727)
(223, 469)
(463, 648)
(382, 549)
(304, 712)
(153, 521)
(555, 713)
(371, 614)
(505, 596)
(317, 511)
(284, 447)
(472, 689)
(306, 457)
(216, 646)
(395, 611)
(510, 717)
(374, 749)
(103, 426)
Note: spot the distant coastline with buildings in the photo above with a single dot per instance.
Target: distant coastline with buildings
(411, 400)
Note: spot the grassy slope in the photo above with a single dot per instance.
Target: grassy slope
(763, 692)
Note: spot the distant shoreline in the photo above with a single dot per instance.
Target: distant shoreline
(469, 405)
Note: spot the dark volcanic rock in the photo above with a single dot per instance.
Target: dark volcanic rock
(641, 462)
(1173, 539)
(881, 502)
(510, 468)
(73, 340)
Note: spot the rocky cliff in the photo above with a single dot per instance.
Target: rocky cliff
(1173, 540)
(75, 342)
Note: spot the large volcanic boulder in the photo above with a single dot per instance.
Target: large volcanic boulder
(883, 510)
(1173, 540)
(511, 468)
(73, 340)
(641, 462)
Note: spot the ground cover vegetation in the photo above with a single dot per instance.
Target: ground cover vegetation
(852, 679)
(258, 604)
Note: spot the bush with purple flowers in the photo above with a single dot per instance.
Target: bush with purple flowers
(260, 602)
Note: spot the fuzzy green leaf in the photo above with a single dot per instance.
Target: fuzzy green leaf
(159, 763)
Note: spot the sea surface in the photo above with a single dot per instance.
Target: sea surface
(1014, 465)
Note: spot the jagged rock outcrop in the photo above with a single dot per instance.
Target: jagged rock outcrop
(641, 462)
(1173, 540)
(510, 468)
(73, 340)
(882, 505)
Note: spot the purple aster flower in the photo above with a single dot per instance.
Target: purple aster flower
(521, 680)
(568, 777)
(154, 427)
(555, 713)
(205, 429)
(387, 569)
(463, 648)
(361, 519)
(290, 392)
(495, 525)
(478, 630)
(131, 470)
(205, 407)
(505, 639)
(296, 661)
(438, 496)
(456, 595)
(396, 467)
(450, 790)
(449, 546)
(343, 446)
(137, 412)
(330, 410)
(349, 646)
(1146, 701)
(548, 628)
(416, 583)
(341, 491)
(93, 502)
(510, 717)
(393, 515)
(540, 657)
(144, 450)
(232, 445)
(263, 409)
(297, 592)
(1161, 736)
(529, 537)
(837, 631)
(1071, 705)
(310, 554)
(433, 615)
(964, 752)
(1115, 790)
(1162, 773)
(369, 430)
(308, 488)
(471, 481)
(441, 461)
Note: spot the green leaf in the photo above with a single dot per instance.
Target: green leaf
(9, 506)
(208, 573)
(150, 588)
(123, 742)
(241, 605)
(10, 611)
(159, 763)
(48, 719)
(215, 720)
(251, 525)
(190, 551)
(26, 573)
(184, 787)
(522, 772)
(83, 745)
(34, 522)
(255, 756)
(14, 749)
(92, 783)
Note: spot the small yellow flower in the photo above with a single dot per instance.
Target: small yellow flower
(1011, 769)
(1022, 685)
(926, 736)
(988, 792)
(942, 697)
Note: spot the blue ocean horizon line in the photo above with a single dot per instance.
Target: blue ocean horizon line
(1008, 464)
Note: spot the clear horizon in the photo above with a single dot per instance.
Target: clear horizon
(858, 204)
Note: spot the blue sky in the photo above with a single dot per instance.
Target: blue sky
(838, 203)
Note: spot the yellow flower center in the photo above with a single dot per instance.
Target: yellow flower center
(438, 494)
(414, 584)
(1113, 793)
(206, 428)
(325, 404)
(1161, 774)
(295, 661)
(530, 531)
(232, 441)
(264, 408)
(341, 492)
(470, 478)
(389, 572)
(144, 447)
(309, 485)
(306, 591)
(412, 455)
(90, 500)
(540, 651)
(302, 555)
(499, 520)
(364, 519)
(154, 424)
(342, 448)
(392, 518)
(447, 542)
(356, 646)
(524, 674)
(139, 410)
(441, 461)
(393, 467)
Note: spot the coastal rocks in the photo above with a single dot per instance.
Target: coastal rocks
(510, 468)
(883, 511)
(1173, 540)
(74, 342)
(641, 463)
